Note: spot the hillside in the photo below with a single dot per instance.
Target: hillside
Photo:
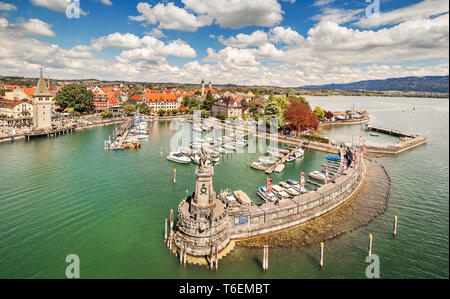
(418, 84)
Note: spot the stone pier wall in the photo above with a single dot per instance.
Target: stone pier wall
(270, 217)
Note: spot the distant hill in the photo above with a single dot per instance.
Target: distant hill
(419, 84)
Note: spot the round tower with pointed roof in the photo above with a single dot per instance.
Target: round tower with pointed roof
(42, 106)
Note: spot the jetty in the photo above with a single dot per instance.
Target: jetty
(282, 160)
(407, 142)
(50, 133)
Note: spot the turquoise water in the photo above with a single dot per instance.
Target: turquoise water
(67, 195)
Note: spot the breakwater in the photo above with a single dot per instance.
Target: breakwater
(369, 202)
(208, 224)
(360, 121)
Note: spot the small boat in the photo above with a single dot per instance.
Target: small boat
(197, 129)
(229, 146)
(317, 175)
(279, 168)
(297, 186)
(178, 158)
(281, 150)
(266, 161)
(291, 191)
(374, 134)
(268, 197)
(259, 166)
(334, 158)
(291, 159)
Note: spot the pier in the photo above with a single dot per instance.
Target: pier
(281, 161)
(51, 133)
(407, 142)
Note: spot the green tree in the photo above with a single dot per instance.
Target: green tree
(162, 112)
(319, 112)
(205, 113)
(106, 114)
(274, 111)
(75, 96)
(221, 116)
(129, 109)
(207, 104)
(144, 108)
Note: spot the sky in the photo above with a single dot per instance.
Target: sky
(286, 43)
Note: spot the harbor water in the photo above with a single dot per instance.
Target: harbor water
(66, 195)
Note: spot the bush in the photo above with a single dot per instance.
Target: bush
(314, 138)
(221, 116)
(106, 114)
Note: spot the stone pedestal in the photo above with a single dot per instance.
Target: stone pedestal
(202, 219)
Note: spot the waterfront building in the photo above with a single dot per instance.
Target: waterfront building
(104, 102)
(158, 100)
(15, 112)
(227, 106)
(42, 106)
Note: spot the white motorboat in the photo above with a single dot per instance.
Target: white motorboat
(297, 186)
(259, 166)
(279, 168)
(317, 175)
(178, 158)
(268, 197)
(266, 161)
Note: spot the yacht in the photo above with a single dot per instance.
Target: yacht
(297, 186)
(178, 158)
(266, 161)
(268, 197)
(259, 166)
(317, 175)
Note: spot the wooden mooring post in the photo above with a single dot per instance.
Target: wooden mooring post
(395, 225)
(321, 255)
(266, 258)
(165, 230)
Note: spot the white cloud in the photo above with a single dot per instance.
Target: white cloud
(146, 48)
(237, 13)
(155, 32)
(322, 2)
(286, 36)
(241, 40)
(106, 2)
(7, 6)
(170, 16)
(56, 5)
(31, 26)
(337, 15)
(424, 9)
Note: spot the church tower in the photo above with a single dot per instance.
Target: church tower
(203, 87)
(42, 106)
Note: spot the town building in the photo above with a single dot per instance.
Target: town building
(15, 112)
(104, 102)
(42, 101)
(158, 100)
(227, 106)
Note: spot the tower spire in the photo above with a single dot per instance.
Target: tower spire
(41, 88)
